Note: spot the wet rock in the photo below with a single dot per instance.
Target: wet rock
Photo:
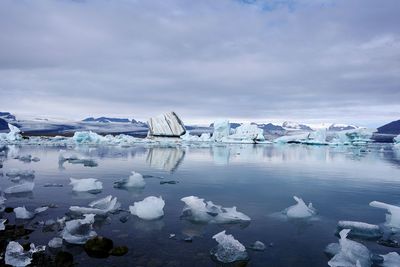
(8, 210)
(388, 243)
(169, 182)
(64, 259)
(188, 239)
(119, 251)
(98, 247)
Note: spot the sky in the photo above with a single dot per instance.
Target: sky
(309, 61)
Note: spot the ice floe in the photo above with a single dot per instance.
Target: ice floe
(349, 253)
(392, 217)
(134, 180)
(20, 188)
(300, 210)
(228, 249)
(101, 206)
(90, 185)
(150, 208)
(16, 255)
(80, 230)
(196, 209)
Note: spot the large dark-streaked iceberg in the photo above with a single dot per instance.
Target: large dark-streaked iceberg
(166, 125)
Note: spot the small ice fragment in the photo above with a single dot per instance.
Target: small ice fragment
(392, 217)
(300, 210)
(150, 208)
(80, 230)
(99, 207)
(20, 188)
(134, 180)
(196, 209)
(258, 246)
(2, 226)
(350, 253)
(41, 209)
(90, 185)
(361, 229)
(16, 256)
(55, 242)
(228, 249)
(23, 213)
(391, 259)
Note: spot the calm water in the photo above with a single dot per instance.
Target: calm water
(259, 180)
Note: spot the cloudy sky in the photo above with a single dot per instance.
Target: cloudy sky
(268, 61)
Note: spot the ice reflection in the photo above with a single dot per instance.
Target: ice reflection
(165, 158)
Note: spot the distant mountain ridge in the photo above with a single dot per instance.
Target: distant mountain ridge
(296, 126)
(7, 116)
(107, 120)
(341, 127)
(390, 128)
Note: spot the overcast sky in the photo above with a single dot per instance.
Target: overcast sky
(267, 61)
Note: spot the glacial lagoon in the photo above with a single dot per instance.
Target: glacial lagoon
(260, 180)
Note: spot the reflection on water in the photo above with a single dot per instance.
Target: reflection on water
(259, 179)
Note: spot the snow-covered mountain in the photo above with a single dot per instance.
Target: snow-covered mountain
(341, 127)
(290, 125)
(7, 116)
(106, 120)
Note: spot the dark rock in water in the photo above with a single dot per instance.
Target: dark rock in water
(64, 259)
(26, 246)
(188, 239)
(388, 243)
(98, 247)
(41, 259)
(8, 209)
(169, 182)
(119, 251)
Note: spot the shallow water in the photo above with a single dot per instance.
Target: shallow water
(260, 180)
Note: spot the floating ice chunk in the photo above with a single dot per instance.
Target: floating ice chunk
(90, 185)
(13, 135)
(23, 213)
(361, 229)
(2, 226)
(221, 130)
(134, 180)
(391, 259)
(298, 138)
(350, 253)
(258, 246)
(245, 133)
(228, 249)
(55, 242)
(166, 125)
(392, 217)
(358, 136)
(150, 208)
(80, 230)
(196, 209)
(300, 210)
(16, 256)
(20, 188)
(99, 207)
(317, 137)
(87, 137)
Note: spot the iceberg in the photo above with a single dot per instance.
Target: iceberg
(20, 188)
(102, 206)
(204, 137)
(391, 259)
(16, 256)
(150, 208)
(197, 210)
(134, 180)
(318, 137)
(300, 210)
(361, 229)
(166, 125)
(87, 137)
(90, 185)
(245, 133)
(80, 230)
(350, 253)
(396, 140)
(12, 136)
(228, 249)
(358, 136)
(221, 130)
(297, 138)
(392, 217)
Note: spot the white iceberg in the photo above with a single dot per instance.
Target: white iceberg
(55, 242)
(391, 259)
(12, 136)
(221, 130)
(358, 136)
(90, 185)
(300, 210)
(134, 180)
(196, 209)
(392, 217)
(245, 133)
(150, 208)
(80, 230)
(350, 253)
(360, 229)
(16, 256)
(166, 125)
(20, 188)
(228, 249)
(102, 206)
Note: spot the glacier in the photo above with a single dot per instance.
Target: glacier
(197, 210)
(229, 249)
(150, 208)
